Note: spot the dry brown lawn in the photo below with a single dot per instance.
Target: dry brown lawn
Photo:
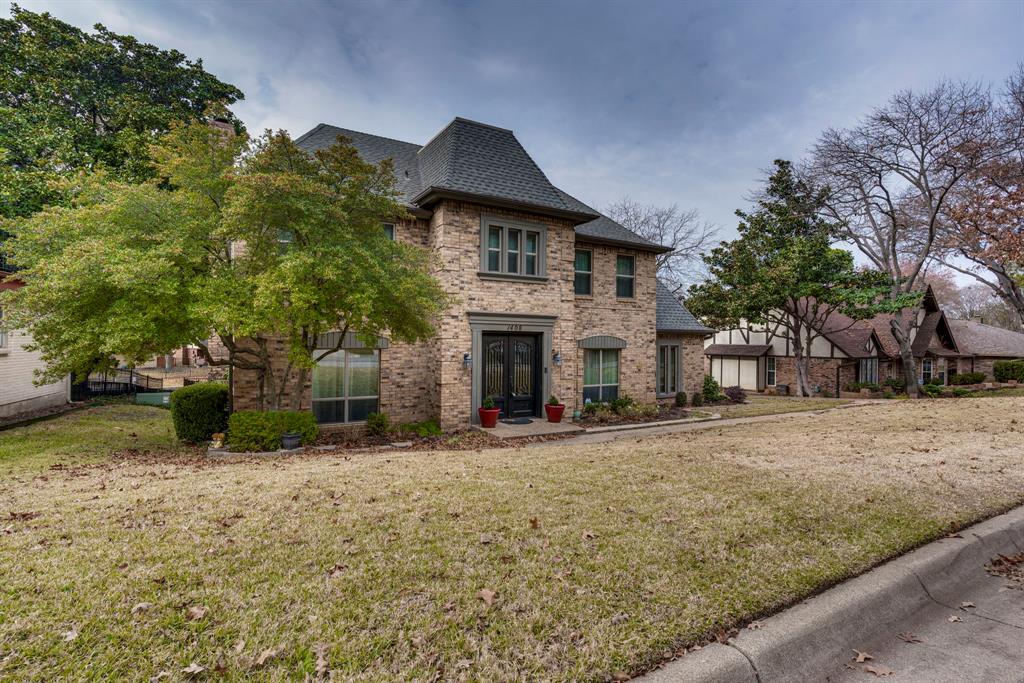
(556, 562)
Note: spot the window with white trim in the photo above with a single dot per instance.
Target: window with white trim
(389, 231)
(346, 385)
(512, 249)
(926, 370)
(600, 375)
(625, 276)
(3, 331)
(770, 371)
(668, 369)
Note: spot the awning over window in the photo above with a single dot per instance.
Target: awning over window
(330, 341)
(747, 350)
(602, 341)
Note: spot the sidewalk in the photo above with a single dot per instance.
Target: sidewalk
(932, 615)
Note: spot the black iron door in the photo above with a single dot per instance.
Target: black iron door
(511, 373)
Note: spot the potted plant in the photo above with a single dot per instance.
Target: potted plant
(290, 440)
(554, 409)
(489, 414)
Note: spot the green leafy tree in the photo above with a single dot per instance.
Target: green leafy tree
(260, 243)
(782, 272)
(73, 100)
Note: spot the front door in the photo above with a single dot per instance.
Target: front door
(511, 373)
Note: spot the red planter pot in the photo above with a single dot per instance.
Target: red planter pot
(554, 413)
(489, 417)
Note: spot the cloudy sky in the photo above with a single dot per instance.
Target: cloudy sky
(667, 102)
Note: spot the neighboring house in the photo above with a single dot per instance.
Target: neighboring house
(551, 297)
(848, 351)
(17, 366)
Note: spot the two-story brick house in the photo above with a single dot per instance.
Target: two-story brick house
(550, 296)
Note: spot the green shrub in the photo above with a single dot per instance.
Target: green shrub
(424, 429)
(680, 399)
(960, 392)
(252, 430)
(697, 400)
(895, 384)
(589, 408)
(712, 392)
(968, 378)
(934, 380)
(199, 411)
(621, 404)
(888, 394)
(857, 386)
(377, 424)
(553, 400)
(1006, 370)
(931, 390)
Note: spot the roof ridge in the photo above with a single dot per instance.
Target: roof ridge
(371, 135)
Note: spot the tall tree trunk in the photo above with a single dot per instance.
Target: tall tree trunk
(907, 356)
(800, 362)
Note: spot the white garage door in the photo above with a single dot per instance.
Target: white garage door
(730, 371)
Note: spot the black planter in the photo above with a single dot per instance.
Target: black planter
(290, 440)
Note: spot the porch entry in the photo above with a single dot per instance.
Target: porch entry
(512, 373)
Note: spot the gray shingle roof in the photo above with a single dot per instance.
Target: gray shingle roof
(476, 159)
(745, 350)
(978, 339)
(672, 316)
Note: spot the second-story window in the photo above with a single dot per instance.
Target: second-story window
(583, 281)
(512, 249)
(625, 276)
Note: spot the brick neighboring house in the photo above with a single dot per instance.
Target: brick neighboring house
(862, 351)
(18, 365)
(551, 297)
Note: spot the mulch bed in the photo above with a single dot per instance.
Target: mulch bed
(664, 413)
(462, 440)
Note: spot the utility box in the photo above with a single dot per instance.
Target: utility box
(155, 398)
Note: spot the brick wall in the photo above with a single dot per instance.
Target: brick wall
(692, 350)
(430, 381)
(821, 372)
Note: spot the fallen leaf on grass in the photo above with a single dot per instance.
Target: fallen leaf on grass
(486, 538)
(754, 625)
(861, 656)
(954, 619)
(487, 596)
(70, 635)
(336, 570)
(620, 676)
(534, 523)
(142, 607)
(193, 669)
(268, 654)
(588, 535)
(159, 676)
(21, 516)
(321, 661)
(195, 613)
(908, 638)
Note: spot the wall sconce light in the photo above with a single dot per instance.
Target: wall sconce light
(467, 360)
(557, 358)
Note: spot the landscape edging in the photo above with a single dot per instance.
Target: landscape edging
(805, 640)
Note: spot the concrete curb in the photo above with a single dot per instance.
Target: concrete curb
(646, 425)
(806, 640)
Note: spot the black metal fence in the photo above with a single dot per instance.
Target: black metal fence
(115, 383)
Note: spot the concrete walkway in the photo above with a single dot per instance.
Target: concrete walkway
(932, 615)
(605, 436)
